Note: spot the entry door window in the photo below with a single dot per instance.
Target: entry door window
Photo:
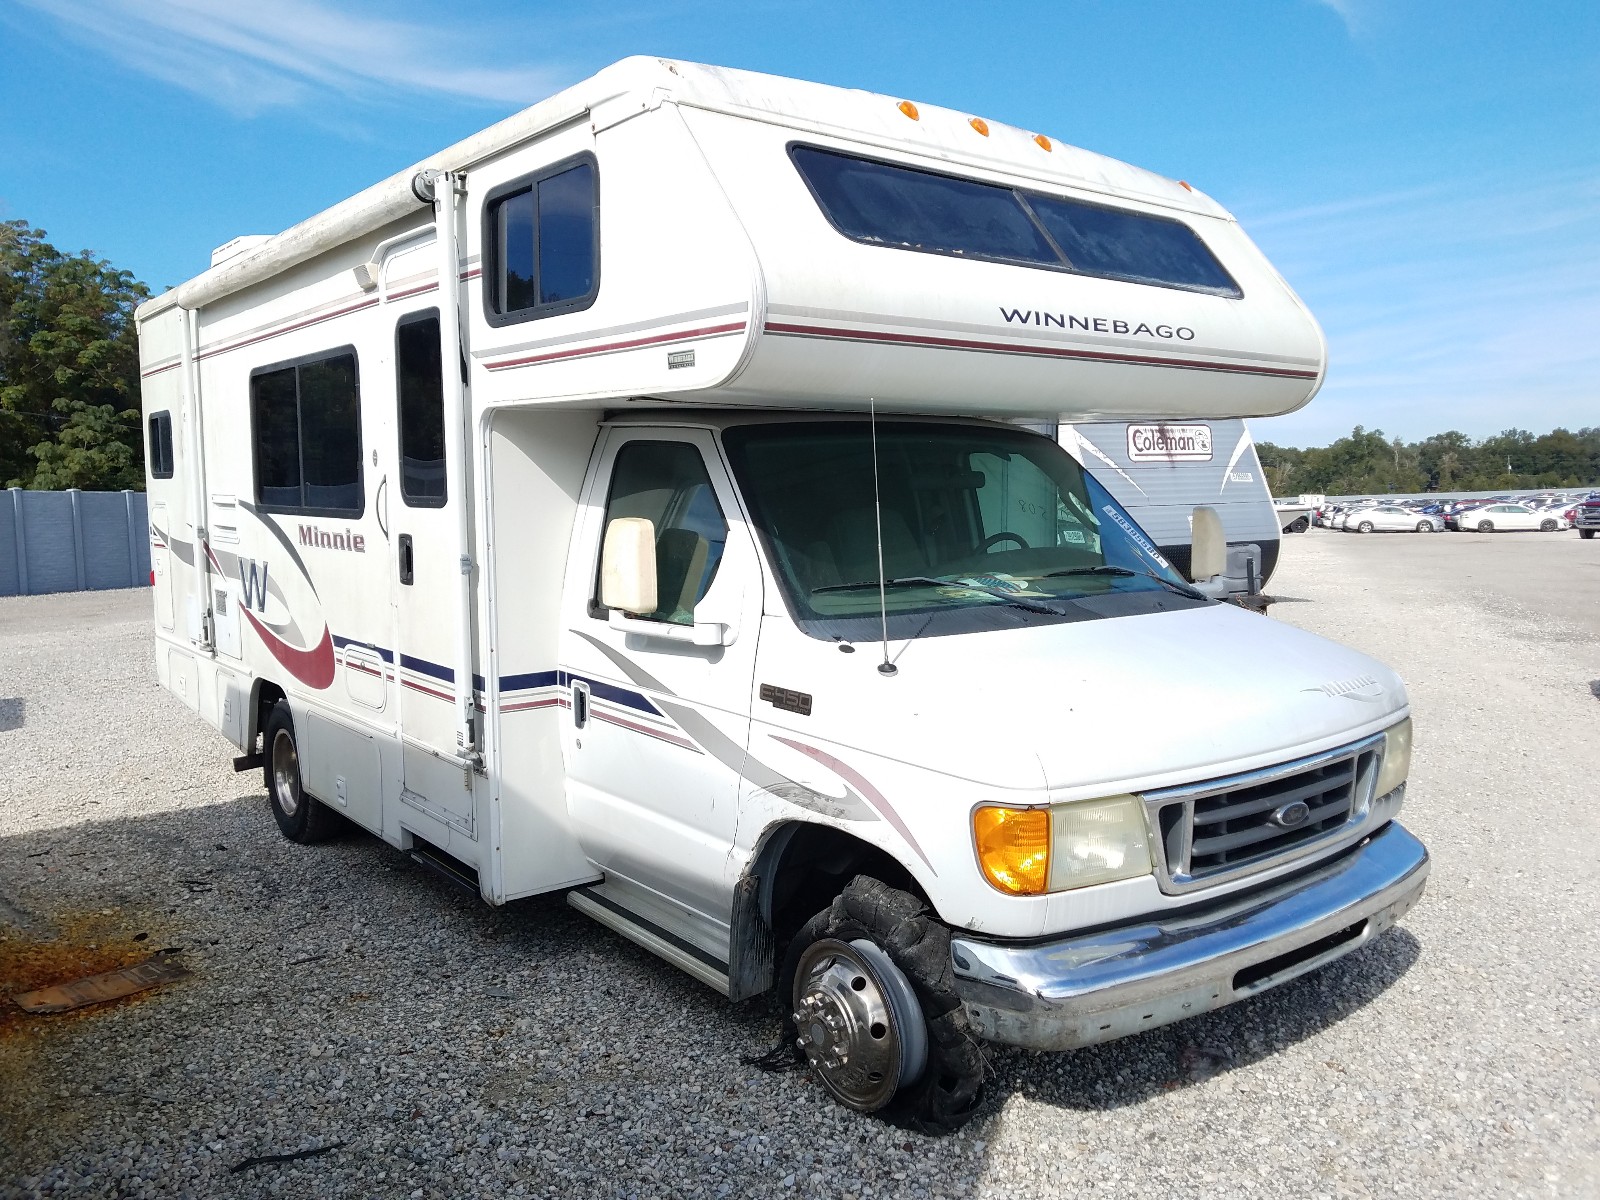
(667, 484)
(420, 388)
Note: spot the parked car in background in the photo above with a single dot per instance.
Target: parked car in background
(1587, 518)
(1392, 518)
(1495, 518)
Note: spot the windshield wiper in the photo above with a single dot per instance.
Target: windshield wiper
(1104, 569)
(929, 581)
(1182, 589)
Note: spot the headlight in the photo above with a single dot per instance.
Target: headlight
(1029, 851)
(1396, 763)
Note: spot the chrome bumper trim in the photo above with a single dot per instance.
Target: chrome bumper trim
(1079, 991)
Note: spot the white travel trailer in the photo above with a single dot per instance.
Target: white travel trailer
(1161, 471)
(615, 503)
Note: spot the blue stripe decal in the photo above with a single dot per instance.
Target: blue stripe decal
(530, 679)
(342, 642)
(423, 667)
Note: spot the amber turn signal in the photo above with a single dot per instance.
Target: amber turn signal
(1013, 846)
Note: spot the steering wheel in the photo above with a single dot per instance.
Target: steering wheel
(1005, 535)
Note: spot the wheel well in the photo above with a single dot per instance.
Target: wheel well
(809, 866)
(267, 695)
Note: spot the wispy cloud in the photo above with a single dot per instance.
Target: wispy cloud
(251, 57)
(1462, 306)
(1350, 13)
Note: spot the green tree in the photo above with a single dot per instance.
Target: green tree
(69, 367)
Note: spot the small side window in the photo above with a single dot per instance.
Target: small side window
(542, 243)
(419, 384)
(667, 483)
(160, 454)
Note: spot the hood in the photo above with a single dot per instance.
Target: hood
(1142, 701)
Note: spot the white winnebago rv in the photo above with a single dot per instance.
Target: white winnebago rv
(622, 502)
(1161, 471)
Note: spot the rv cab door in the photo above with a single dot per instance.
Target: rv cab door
(655, 737)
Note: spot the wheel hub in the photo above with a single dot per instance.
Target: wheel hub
(285, 772)
(858, 1020)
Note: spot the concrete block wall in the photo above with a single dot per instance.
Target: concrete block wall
(72, 541)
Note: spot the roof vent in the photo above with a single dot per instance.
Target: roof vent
(239, 245)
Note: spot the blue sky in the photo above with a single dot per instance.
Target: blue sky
(1426, 173)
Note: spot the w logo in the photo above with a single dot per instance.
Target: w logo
(253, 583)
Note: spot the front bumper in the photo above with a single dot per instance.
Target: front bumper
(1078, 991)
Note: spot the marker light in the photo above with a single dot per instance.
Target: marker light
(1042, 142)
(1396, 758)
(1184, 184)
(1013, 847)
(980, 125)
(909, 109)
(1097, 841)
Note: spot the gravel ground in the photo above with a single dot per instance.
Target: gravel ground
(343, 1001)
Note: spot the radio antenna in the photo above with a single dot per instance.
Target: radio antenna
(885, 667)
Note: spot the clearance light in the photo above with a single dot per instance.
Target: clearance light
(1184, 184)
(1013, 847)
(909, 109)
(1042, 142)
(980, 125)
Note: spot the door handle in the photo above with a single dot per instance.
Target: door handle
(580, 703)
(406, 563)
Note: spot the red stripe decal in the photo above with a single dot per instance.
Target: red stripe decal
(945, 343)
(306, 323)
(159, 370)
(313, 667)
(646, 730)
(613, 347)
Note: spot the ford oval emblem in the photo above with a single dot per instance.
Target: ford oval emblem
(1292, 815)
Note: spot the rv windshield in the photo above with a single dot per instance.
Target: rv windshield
(984, 527)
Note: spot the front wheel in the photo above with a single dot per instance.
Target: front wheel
(1364, 527)
(1424, 526)
(1586, 534)
(301, 818)
(873, 1009)
(1485, 526)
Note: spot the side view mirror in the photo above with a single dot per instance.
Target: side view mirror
(1208, 550)
(628, 566)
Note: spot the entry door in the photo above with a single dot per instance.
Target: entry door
(656, 736)
(427, 570)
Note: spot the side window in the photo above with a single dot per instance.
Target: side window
(419, 385)
(160, 455)
(542, 238)
(306, 433)
(667, 484)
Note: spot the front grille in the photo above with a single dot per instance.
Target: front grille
(1228, 827)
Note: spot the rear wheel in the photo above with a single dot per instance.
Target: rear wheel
(1485, 526)
(874, 1010)
(1424, 526)
(301, 818)
(1364, 527)
(1299, 525)
(1547, 526)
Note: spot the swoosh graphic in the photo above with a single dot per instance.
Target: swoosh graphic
(859, 781)
(1238, 453)
(1085, 444)
(313, 667)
